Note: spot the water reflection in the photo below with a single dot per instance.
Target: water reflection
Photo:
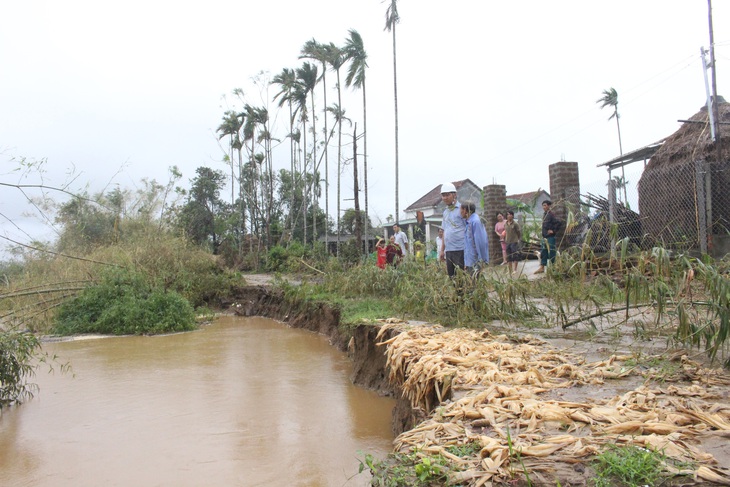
(241, 402)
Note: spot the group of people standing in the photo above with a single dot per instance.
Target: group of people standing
(510, 235)
(463, 242)
(392, 252)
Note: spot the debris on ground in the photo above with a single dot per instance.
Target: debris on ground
(499, 391)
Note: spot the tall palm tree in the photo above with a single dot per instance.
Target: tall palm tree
(336, 59)
(610, 99)
(287, 80)
(391, 19)
(339, 114)
(357, 56)
(230, 127)
(320, 52)
(307, 78)
(299, 98)
(249, 135)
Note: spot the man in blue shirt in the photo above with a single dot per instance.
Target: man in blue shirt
(476, 241)
(452, 249)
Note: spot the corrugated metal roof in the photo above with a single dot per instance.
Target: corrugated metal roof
(641, 154)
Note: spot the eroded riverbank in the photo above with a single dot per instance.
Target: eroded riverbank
(543, 413)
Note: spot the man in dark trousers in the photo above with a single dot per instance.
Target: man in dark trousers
(550, 227)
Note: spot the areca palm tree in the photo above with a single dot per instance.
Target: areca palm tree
(287, 80)
(336, 59)
(307, 79)
(229, 127)
(357, 56)
(299, 98)
(339, 115)
(320, 52)
(610, 99)
(391, 20)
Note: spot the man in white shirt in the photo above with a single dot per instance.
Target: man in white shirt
(400, 238)
(439, 241)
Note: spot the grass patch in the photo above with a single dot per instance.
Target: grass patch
(355, 311)
(406, 470)
(630, 466)
(466, 450)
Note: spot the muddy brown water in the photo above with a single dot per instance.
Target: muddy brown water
(242, 402)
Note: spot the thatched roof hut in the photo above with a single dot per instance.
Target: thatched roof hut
(673, 188)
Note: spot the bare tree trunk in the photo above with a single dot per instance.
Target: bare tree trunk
(339, 161)
(358, 222)
(365, 166)
(395, 96)
(314, 162)
(326, 161)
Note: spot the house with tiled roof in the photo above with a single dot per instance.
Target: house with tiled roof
(533, 200)
(423, 217)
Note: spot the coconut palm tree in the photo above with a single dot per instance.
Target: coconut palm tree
(391, 19)
(357, 56)
(610, 99)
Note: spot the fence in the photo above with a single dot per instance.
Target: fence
(682, 206)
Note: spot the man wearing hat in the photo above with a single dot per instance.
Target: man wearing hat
(452, 248)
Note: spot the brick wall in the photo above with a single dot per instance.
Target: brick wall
(495, 199)
(564, 191)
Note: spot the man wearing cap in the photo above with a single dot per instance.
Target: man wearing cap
(452, 248)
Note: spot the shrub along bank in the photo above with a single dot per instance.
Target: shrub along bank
(124, 303)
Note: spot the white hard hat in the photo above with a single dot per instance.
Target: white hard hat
(448, 188)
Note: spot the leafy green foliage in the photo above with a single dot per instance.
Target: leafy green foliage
(16, 352)
(466, 450)
(413, 289)
(203, 215)
(401, 470)
(123, 303)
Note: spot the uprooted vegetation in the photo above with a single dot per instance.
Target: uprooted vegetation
(496, 405)
(494, 411)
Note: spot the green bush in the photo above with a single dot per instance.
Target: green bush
(276, 258)
(123, 303)
(16, 352)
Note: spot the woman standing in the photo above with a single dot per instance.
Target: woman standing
(499, 230)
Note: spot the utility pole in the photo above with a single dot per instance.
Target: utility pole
(715, 110)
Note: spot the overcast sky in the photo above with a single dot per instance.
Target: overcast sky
(491, 91)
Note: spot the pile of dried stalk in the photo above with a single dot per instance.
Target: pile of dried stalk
(493, 390)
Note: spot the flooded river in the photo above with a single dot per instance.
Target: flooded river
(242, 402)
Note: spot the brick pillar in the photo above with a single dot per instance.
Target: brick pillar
(495, 199)
(565, 194)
